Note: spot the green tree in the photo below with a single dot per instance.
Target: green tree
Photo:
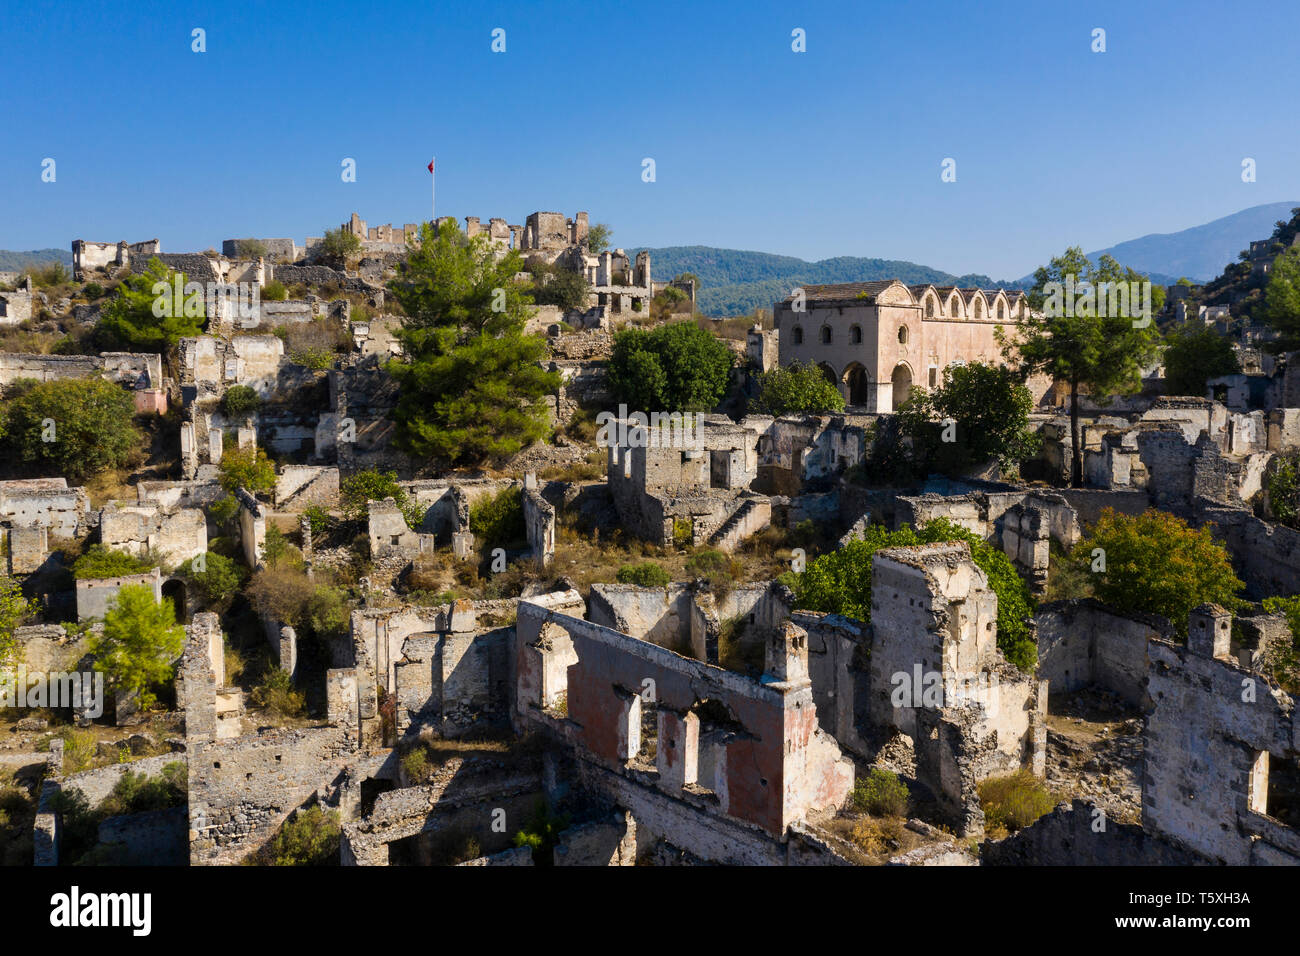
(1281, 305)
(473, 384)
(678, 367)
(141, 640)
(147, 316)
(339, 246)
(70, 427)
(979, 413)
(840, 582)
(218, 580)
(559, 286)
(360, 488)
(247, 468)
(14, 609)
(797, 388)
(1155, 563)
(598, 237)
(1194, 355)
(1071, 343)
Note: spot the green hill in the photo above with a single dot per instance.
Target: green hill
(17, 261)
(736, 281)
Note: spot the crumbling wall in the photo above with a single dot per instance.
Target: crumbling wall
(938, 676)
(1085, 643)
(1079, 834)
(97, 596)
(175, 535)
(767, 762)
(1214, 729)
(242, 790)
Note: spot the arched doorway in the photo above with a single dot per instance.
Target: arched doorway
(857, 384)
(829, 373)
(173, 590)
(902, 380)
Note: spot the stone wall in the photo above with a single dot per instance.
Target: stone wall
(125, 368)
(756, 748)
(1085, 643)
(242, 790)
(1214, 729)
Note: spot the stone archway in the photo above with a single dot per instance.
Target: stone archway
(857, 385)
(174, 590)
(829, 372)
(902, 381)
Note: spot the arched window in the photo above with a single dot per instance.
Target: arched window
(1002, 310)
(979, 309)
(855, 334)
(902, 335)
(954, 307)
(929, 307)
(798, 335)
(826, 335)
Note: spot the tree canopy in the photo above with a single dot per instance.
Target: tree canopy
(797, 388)
(146, 315)
(141, 640)
(1195, 354)
(70, 427)
(979, 414)
(1155, 563)
(1069, 338)
(472, 385)
(678, 367)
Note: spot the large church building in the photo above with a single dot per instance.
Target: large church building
(876, 340)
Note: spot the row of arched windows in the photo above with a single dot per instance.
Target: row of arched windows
(827, 336)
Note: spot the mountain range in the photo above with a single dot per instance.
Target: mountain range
(735, 282)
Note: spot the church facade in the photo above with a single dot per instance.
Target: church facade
(875, 340)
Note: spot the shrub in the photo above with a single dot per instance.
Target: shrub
(796, 388)
(71, 427)
(92, 291)
(309, 838)
(1014, 802)
(275, 692)
(840, 582)
(498, 521)
(318, 519)
(282, 592)
(647, 574)
(318, 360)
(881, 794)
(711, 565)
(223, 510)
(79, 749)
(247, 468)
(140, 793)
(218, 580)
(240, 400)
(275, 291)
(359, 489)
(100, 562)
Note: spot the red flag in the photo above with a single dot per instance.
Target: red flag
(430, 165)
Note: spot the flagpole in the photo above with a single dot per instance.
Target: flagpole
(433, 179)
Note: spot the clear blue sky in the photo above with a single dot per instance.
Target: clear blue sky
(835, 151)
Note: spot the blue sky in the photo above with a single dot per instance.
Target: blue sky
(835, 151)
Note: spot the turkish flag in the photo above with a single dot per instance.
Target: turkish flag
(430, 165)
